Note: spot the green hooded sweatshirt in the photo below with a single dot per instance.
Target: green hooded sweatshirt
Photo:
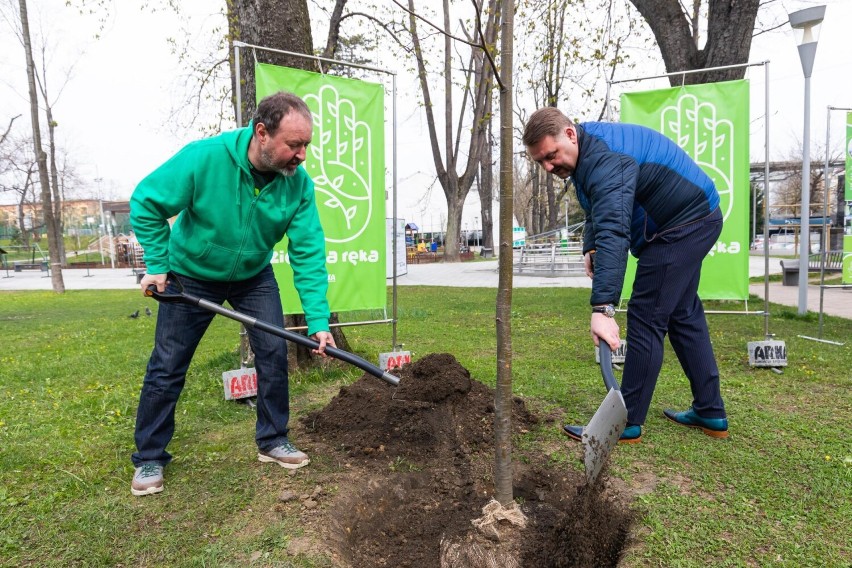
(223, 231)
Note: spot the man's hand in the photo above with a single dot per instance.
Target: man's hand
(324, 338)
(588, 265)
(157, 279)
(605, 328)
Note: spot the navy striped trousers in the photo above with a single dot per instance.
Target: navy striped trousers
(665, 300)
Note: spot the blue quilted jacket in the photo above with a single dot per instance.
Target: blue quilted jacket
(634, 184)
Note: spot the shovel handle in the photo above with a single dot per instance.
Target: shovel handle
(606, 365)
(248, 321)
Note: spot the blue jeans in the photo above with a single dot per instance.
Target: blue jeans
(665, 301)
(180, 328)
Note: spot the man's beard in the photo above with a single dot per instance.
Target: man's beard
(267, 162)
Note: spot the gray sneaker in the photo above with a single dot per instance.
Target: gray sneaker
(147, 480)
(285, 455)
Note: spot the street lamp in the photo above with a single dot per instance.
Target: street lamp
(806, 24)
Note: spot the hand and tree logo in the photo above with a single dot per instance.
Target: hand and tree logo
(694, 126)
(341, 165)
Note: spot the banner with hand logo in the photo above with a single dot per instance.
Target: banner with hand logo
(346, 161)
(711, 123)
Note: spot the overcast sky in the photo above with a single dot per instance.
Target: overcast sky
(113, 111)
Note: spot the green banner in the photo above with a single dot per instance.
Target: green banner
(346, 161)
(711, 123)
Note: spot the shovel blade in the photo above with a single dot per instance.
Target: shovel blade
(602, 433)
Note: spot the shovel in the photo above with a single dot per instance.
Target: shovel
(605, 428)
(182, 297)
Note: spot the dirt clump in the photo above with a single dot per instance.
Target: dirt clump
(419, 460)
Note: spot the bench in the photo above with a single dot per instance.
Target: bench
(19, 266)
(486, 252)
(790, 269)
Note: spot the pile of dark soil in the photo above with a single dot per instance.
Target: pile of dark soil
(422, 456)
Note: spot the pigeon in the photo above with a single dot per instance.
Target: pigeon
(134, 315)
(147, 311)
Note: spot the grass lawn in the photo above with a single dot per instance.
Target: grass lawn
(778, 492)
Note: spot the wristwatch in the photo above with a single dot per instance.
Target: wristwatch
(607, 310)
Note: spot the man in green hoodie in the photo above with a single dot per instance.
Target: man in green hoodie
(234, 196)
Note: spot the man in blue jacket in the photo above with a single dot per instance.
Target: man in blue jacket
(641, 192)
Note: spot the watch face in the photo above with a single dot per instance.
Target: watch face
(608, 310)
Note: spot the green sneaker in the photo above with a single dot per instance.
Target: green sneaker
(713, 427)
(147, 479)
(285, 455)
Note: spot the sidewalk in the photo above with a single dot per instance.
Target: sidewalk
(481, 274)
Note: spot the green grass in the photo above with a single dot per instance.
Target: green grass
(777, 493)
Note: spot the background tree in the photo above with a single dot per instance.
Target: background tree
(455, 185)
(575, 46)
(41, 158)
(18, 174)
(676, 26)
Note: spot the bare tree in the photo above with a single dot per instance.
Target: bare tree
(455, 186)
(8, 129)
(41, 158)
(55, 190)
(18, 174)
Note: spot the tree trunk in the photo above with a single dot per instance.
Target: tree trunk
(59, 225)
(730, 24)
(46, 202)
(276, 24)
(503, 390)
(486, 188)
(334, 30)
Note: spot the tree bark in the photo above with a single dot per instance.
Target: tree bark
(730, 24)
(277, 24)
(503, 390)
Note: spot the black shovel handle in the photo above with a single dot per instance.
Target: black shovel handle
(184, 298)
(606, 365)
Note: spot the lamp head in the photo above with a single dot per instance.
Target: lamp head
(806, 24)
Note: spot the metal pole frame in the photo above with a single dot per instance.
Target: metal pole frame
(826, 237)
(239, 118)
(765, 64)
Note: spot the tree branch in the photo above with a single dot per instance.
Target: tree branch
(9, 128)
(446, 33)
